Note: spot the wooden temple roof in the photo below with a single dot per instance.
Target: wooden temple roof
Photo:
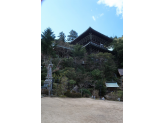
(94, 32)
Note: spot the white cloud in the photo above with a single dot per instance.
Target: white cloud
(113, 3)
(101, 14)
(93, 18)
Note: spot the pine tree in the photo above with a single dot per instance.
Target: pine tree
(46, 41)
(73, 35)
(62, 37)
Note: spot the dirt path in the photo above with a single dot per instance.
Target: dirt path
(80, 110)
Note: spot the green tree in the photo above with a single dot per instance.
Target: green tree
(72, 35)
(72, 82)
(96, 74)
(62, 37)
(43, 75)
(108, 65)
(78, 51)
(42, 82)
(67, 62)
(103, 87)
(117, 46)
(46, 41)
(70, 73)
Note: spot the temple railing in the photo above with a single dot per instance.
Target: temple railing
(100, 46)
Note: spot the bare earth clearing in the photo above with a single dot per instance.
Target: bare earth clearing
(80, 110)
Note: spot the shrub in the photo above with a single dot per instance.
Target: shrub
(120, 94)
(74, 94)
(95, 93)
(114, 95)
(77, 95)
(44, 91)
(87, 95)
(67, 93)
(43, 76)
(42, 82)
(62, 96)
(53, 92)
(90, 90)
(85, 92)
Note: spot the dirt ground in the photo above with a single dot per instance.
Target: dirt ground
(80, 110)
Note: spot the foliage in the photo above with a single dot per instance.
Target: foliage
(79, 51)
(103, 87)
(57, 89)
(43, 76)
(85, 92)
(67, 62)
(95, 93)
(96, 74)
(46, 42)
(44, 91)
(64, 83)
(72, 82)
(63, 96)
(70, 73)
(44, 70)
(120, 94)
(61, 37)
(72, 35)
(102, 65)
(117, 46)
(58, 75)
(60, 88)
(90, 90)
(69, 94)
(114, 95)
(42, 82)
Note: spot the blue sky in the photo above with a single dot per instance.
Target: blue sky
(105, 16)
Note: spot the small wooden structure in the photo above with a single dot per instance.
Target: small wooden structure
(111, 86)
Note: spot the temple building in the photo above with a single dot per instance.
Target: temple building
(93, 41)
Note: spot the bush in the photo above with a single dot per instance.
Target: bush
(90, 90)
(86, 95)
(120, 94)
(44, 91)
(54, 92)
(96, 93)
(114, 95)
(63, 96)
(77, 95)
(74, 94)
(43, 76)
(85, 92)
(67, 93)
(42, 82)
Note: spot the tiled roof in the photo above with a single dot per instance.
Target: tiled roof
(89, 30)
(111, 84)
